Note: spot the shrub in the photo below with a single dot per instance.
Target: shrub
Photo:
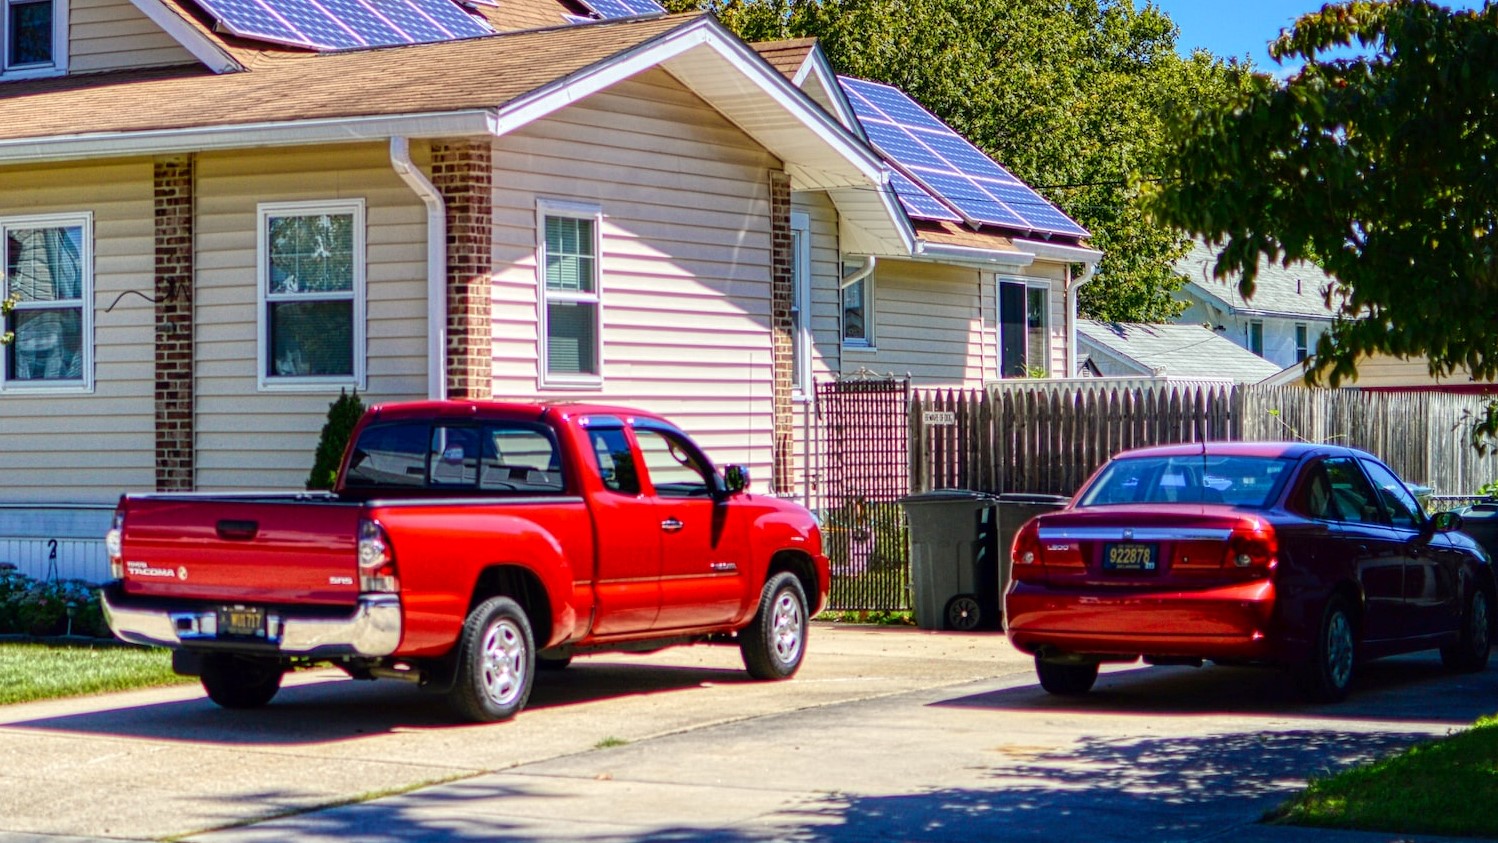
(343, 414)
(35, 607)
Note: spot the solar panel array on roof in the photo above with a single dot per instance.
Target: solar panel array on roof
(918, 202)
(613, 9)
(345, 24)
(945, 165)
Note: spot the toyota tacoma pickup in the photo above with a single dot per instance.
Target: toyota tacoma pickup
(465, 545)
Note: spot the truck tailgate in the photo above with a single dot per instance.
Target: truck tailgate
(242, 551)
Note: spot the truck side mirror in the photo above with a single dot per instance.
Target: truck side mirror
(735, 479)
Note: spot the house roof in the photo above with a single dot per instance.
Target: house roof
(1173, 350)
(1296, 290)
(786, 56)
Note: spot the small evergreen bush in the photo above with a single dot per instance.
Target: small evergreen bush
(343, 414)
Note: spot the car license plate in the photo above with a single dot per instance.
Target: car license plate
(1128, 557)
(241, 621)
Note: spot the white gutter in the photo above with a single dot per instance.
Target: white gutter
(1072, 286)
(400, 160)
(860, 273)
(279, 133)
(970, 254)
(1056, 251)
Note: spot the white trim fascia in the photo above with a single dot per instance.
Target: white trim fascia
(1292, 375)
(705, 32)
(903, 226)
(946, 253)
(469, 122)
(192, 39)
(816, 65)
(1231, 309)
(1056, 251)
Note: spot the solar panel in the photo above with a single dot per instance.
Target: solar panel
(613, 9)
(917, 202)
(945, 164)
(344, 24)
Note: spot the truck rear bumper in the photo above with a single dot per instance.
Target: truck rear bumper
(372, 628)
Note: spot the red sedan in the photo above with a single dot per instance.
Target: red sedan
(1313, 557)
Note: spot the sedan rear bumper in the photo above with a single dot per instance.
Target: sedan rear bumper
(371, 628)
(1233, 622)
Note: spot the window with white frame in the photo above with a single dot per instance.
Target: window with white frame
(48, 273)
(858, 313)
(1302, 342)
(801, 305)
(570, 300)
(311, 291)
(1256, 336)
(1024, 329)
(33, 37)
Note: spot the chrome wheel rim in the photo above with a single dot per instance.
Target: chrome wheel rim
(786, 627)
(1479, 621)
(504, 663)
(1339, 650)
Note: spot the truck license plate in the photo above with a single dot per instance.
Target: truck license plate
(1128, 557)
(241, 621)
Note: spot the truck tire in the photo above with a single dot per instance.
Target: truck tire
(774, 642)
(239, 681)
(496, 662)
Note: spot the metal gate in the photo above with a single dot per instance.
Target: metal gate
(864, 428)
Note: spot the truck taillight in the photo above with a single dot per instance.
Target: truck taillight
(114, 547)
(1253, 548)
(376, 559)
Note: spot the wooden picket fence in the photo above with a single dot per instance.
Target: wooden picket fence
(1048, 439)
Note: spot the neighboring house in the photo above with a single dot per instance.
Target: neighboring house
(1282, 321)
(1132, 350)
(217, 216)
(1382, 373)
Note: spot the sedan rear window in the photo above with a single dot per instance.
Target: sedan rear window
(1203, 478)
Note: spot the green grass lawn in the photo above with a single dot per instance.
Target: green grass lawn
(1445, 787)
(45, 671)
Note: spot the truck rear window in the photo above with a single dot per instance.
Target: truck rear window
(496, 457)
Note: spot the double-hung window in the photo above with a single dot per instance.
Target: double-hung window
(33, 37)
(1256, 336)
(801, 305)
(858, 314)
(1024, 329)
(1302, 342)
(571, 350)
(49, 275)
(311, 291)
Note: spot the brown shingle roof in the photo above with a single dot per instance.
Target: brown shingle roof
(425, 78)
(785, 56)
(517, 15)
(952, 234)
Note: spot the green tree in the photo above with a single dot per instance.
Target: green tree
(1070, 95)
(343, 414)
(1380, 167)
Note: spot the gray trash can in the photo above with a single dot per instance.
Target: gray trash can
(1012, 510)
(1480, 521)
(952, 579)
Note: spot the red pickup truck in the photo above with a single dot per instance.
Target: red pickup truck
(465, 545)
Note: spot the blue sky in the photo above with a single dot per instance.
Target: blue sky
(1238, 28)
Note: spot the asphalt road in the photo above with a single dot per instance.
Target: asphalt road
(887, 735)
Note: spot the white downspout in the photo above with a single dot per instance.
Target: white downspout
(860, 273)
(400, 160)
(1071, 315)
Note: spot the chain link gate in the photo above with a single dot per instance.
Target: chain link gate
(864, 427)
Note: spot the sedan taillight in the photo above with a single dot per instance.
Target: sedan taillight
(1252, 548)
(376, 559)
(1025, 552)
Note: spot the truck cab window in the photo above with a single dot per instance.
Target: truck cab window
(455, 456)
(676, 470)
(390, 455)
(616, 462)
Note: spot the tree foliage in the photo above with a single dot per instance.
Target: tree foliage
(1380, 167)
(1070, 95)
(343, 414)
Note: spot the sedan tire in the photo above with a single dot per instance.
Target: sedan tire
(1470, 653)
(1066, 679)
(1327, 675)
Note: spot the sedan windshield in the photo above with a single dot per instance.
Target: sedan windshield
(1198, 478)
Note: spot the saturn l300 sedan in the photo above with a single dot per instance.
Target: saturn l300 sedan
(1311, 557)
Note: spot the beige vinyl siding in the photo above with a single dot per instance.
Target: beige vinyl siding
(89, 448)
(685, 259)
(249, 439)
(114, 34)
(927, 322)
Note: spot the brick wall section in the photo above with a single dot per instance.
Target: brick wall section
(782, 282)
(175, 454)
(463, 172)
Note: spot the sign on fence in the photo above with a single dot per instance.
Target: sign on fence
(938, 418)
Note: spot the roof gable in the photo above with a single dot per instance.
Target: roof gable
(1295, 291)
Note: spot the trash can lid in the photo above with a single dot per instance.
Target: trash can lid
(1033, 497)
(947, 495)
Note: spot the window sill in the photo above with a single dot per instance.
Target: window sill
(576, 383)
(286, 384)
(25, 388)
(860, 349)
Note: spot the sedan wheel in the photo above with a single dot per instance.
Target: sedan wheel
(1327, 675)
(1470, 653)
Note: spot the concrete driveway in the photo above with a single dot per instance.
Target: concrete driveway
(887, 734)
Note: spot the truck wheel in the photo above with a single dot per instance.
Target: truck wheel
(774, 642)
(1065, 679)
(238, 681)
(496, 662)
(1470, 652)
(1327, 675)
